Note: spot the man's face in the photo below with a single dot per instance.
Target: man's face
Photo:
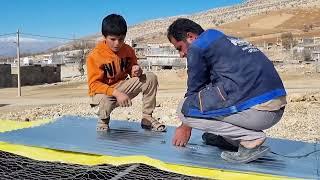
(183, 45)
(115, 42)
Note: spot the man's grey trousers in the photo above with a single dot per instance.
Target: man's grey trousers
(246, 125)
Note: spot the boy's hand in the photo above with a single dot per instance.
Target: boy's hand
(122, 99)
(182, 135)
(136, 71)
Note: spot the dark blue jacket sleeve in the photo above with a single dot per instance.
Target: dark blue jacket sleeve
(198, 75)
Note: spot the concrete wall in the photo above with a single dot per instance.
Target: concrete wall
(167, 61)
(30, 75)
(5, 75)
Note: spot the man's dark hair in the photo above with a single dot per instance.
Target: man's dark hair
(180, 27)
(114, 25)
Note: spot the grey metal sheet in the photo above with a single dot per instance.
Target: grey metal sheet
(78, 134)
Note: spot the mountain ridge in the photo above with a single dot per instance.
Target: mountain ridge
(154, 31)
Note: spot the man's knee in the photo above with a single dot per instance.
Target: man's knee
(178, 110)
(261, 135)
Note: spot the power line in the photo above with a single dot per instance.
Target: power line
(51, 37)
(55, 37)
(7, 34)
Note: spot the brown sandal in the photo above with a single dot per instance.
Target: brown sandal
(103, 125)
(153, 125)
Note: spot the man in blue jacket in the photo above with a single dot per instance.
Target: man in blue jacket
(234, 92)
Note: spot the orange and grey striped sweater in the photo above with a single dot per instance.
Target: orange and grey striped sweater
(106, 68)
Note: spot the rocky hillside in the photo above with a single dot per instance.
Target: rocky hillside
(154, 31)
(215, 17)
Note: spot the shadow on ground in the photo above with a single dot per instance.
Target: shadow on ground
(1, 105)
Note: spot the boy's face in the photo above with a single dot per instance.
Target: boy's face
(115, 42)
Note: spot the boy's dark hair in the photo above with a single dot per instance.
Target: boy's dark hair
(114, 25)
(179, 28)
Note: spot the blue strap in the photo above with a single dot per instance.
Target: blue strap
(238, 107)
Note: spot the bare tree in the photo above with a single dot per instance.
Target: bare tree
(311, 26)
(214, 21)
(81, 56)
(306, 28)
(287, 40)
(306, 54)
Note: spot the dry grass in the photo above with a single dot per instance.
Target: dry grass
(268, 26)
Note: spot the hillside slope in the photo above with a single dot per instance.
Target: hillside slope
(255, 20)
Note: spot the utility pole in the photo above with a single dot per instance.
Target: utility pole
(18, 59)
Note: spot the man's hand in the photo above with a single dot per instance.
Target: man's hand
(122, 99)
(182, 135)
(136, 71)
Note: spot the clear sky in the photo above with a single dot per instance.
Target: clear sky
(69, 18)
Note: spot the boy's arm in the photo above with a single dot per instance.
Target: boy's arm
(133, 62)
(95, 78)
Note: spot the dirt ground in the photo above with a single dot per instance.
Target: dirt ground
(300, 121)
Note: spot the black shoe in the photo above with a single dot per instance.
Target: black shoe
(245, 155)
(218, 141)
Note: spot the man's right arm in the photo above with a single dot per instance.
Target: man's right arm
(197, 71)
(182, 135)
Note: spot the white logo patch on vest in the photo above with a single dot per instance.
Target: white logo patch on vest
(245, 46)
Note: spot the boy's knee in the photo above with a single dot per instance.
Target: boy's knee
(107, 104)
(151, 77)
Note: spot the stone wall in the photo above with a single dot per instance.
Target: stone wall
(5, 75)
(30, 75)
